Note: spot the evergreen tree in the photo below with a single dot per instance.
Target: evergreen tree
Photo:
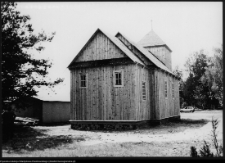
(21, 74)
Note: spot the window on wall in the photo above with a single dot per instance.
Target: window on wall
(166, 92)
(118, 78)
(173, 93)
(83, 80)
(144, 90)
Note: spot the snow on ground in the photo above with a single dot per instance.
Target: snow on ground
(92, 138)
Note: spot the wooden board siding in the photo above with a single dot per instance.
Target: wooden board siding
(163, 54)
(71, 95)
(100, 48)
(167, 107)
(143, 107)
(152, 93)
(133, 49)
(101, 100)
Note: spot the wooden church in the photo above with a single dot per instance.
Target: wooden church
(118, 82)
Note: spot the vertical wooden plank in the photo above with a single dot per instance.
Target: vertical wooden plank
(140, 94)
(142, 102)
(94, 93)
(100, 94)
(133, 92)
(123, 111)
(108, 108)
(76, 94)
(151, 94)
(105, 93)
(80, 100)
(87, 95)
(137, 92)
(90, 94)
(71, 94)
(122, 96)
(112, 95)
(130, 95)
(157, 96)
(149, 102)
(109, 93)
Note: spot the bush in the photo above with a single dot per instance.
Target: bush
(205, 150)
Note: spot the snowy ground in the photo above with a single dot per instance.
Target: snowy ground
(169, 139)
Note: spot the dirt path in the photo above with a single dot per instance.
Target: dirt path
(200, 134)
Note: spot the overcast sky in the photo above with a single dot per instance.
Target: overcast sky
(185, 27)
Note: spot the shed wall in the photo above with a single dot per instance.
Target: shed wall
(55, 111)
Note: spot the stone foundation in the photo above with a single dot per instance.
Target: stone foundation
(107, 125)
(110, 127)
(117, 125)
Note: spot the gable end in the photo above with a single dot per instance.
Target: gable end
(101, 46)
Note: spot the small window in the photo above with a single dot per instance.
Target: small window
(118, 78)
(166, 89)
(144, 90)
(173, 90)
(83, 81)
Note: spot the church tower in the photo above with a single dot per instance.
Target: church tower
(153, 43)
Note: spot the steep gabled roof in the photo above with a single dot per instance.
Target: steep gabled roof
(116, 42)
(148, 54)
(122, 47)
(152, 39)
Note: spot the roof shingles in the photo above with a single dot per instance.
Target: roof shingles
(151, 39)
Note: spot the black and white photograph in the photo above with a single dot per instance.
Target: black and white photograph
(112, 79)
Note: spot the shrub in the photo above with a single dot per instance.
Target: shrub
(205, 150)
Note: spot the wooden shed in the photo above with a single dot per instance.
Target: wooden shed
(46, 111)
(116, 81)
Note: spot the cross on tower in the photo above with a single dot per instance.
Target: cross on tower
(151, 26)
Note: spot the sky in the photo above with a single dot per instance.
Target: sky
(185, 27)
